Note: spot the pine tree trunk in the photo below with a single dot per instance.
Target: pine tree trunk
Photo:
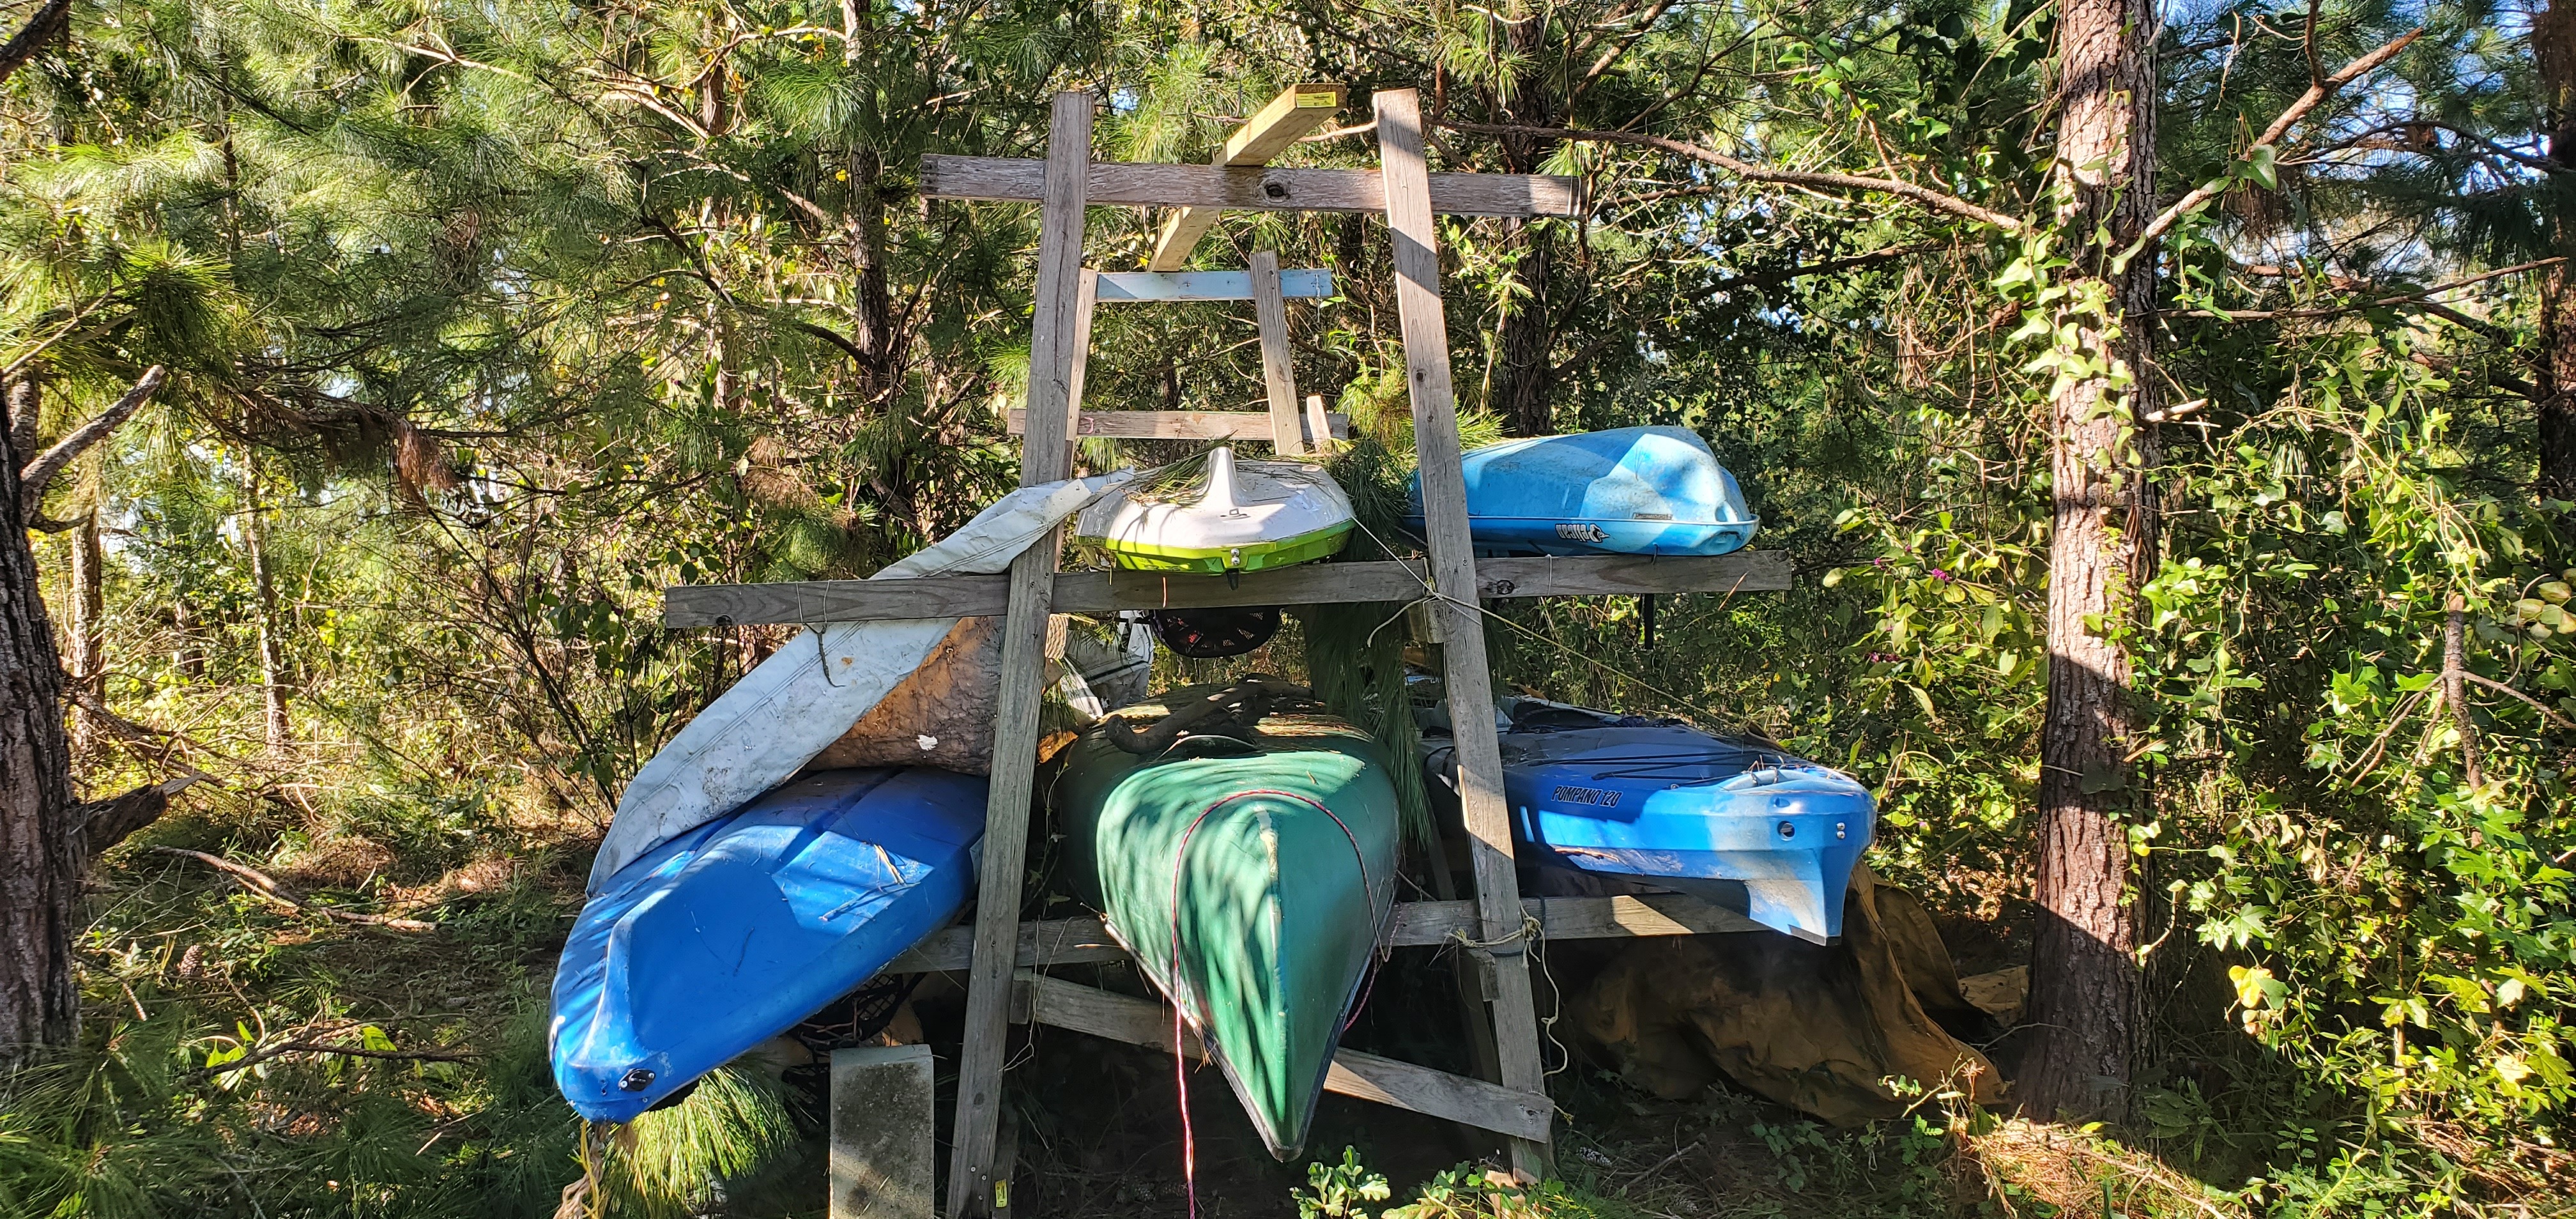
(1526, 339)
(2084, 978)
(272, 666)
(2553, 44)
(39, 854)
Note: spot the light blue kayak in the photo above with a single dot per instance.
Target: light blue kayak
(1739, 822)
(728, 935)
(1638, 490)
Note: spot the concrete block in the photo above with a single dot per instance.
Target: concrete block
(882, 1153)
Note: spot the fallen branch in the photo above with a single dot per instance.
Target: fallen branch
(142, 734)
(263, 885)
(2501, 380)
(1928, 197)
(284, 1048)
(2317, 93)
(104, 823)
(35, 475)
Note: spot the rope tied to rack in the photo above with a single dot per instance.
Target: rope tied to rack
(1530, 931)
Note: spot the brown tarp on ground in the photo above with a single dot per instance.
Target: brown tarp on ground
(1824, 1029)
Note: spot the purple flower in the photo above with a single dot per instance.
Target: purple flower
(1941, 575)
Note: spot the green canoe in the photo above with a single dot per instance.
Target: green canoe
(1277, 843)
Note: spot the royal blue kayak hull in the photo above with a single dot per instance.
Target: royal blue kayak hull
(1639, 490)
(730, 934)
(1738, 821)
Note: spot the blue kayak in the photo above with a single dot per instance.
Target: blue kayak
(731, 933)
(1739, 822)
(1636, 490)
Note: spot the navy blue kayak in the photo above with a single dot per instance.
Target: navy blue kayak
(1637, 490)
(728, 935)
(1739, 822)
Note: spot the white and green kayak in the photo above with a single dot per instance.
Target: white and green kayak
(1220, 516)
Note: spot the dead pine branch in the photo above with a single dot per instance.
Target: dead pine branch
(2280, 126)
(1926, 196)
(284, 1048)
(265, 886)
(2499, 687)
(33, 479)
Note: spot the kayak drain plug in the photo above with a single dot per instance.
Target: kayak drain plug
(636, 1080)
(1788, 829)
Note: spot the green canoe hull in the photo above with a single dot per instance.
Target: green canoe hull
(1251, 880)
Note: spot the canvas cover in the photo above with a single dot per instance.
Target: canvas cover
(808, 693)
(1822, 1029)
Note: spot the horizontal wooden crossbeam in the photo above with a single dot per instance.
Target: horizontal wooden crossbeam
(1116, 287)
(1253, 188)
(1075, 941)
(1099, 592)
(1456, 1098)
(1179, 425)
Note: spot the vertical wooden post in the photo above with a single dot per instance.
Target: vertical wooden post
(1087, 289)
(1270, 310)
(1319, 430)
(1466, 674)
(1044, 457)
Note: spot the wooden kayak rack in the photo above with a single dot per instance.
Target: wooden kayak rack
(1002, 955)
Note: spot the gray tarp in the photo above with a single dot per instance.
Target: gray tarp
(808, 693)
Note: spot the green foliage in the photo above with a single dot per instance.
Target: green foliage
(497, 320)
(673, 1161)
(1336, 1191)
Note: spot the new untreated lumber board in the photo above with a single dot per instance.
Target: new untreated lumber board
(1297, 110)
(1076, 941)
(1519, 1113)
(1413, 233)
(1278, 368)
(1178, 425)
(1118, 287)
(1142, 184)
(1097, 592)
(1056, 351)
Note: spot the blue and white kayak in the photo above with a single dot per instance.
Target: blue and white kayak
(729, 934)
(1637, 490)
(1738, 822)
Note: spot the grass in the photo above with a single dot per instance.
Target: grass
(181, 1101)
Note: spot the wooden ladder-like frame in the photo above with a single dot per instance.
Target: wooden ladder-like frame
(1000, 953)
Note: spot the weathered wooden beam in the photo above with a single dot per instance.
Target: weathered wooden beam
(1414, 235)
(1056, 344)
(1116, 287)
(1178, 425)
(1297, 110)
(1278, 367)
(1076, 941)
(1099, 592)
(1321, 431)
(1138, 184)
(1456, 1098)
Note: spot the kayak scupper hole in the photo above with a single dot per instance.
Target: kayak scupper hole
(1788, 829)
